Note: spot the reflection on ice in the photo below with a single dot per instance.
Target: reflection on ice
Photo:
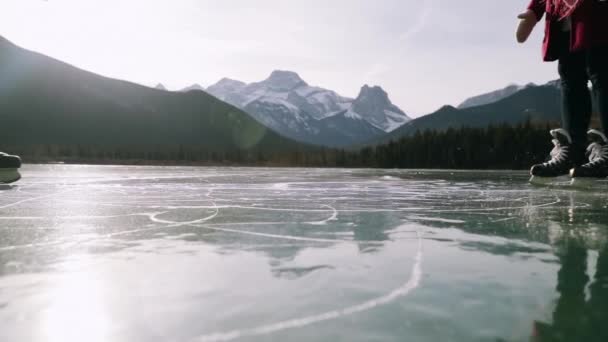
(204, 254)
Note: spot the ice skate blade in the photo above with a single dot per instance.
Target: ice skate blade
(550, 181)
(9, 176)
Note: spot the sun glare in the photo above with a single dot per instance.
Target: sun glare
(76, 311)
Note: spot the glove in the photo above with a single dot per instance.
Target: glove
(526, 26)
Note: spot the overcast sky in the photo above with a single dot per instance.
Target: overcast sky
(424, 53)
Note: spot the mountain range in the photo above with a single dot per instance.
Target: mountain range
(287, 104)
(45, 101)
(492, 97)
(540, 104)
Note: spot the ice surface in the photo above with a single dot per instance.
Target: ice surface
(115, 253)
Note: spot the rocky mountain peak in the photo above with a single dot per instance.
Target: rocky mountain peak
(228, 81)
(373, 105)
(226, 86)
(373, 95)
(284, 80)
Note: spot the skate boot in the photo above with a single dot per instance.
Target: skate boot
(597, 167)
(564, 156)
(9, 168)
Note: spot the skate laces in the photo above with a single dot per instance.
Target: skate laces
(598, 153)
(559, 152)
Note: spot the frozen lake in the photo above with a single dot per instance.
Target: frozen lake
(114, 253)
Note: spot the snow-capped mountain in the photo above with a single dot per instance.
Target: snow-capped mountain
(375, 107)
(287, 104)
(195, 86)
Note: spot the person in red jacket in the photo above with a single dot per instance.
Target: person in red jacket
(576, 35)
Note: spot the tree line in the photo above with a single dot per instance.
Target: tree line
(494, 147)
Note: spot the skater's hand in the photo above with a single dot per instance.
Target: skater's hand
(526, 25)
(529, 14)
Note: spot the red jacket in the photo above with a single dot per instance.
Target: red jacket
(589, 26)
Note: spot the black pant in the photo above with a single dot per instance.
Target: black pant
(576, 70)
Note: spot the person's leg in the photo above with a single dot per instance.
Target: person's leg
(598, 301)
(569, 315)
(576, 98)
(597, 68)
(571, 140)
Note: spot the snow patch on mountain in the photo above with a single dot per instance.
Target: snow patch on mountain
(352, 115)
(394, 120)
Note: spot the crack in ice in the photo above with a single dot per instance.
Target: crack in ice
(411, 284)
